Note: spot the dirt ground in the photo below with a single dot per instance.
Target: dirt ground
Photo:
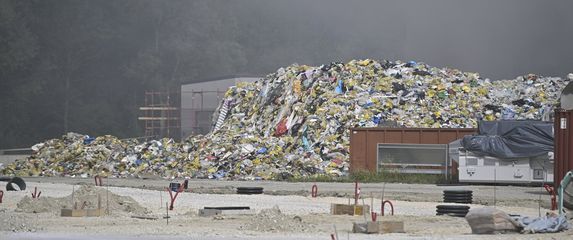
(285, 211)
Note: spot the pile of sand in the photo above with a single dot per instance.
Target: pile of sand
(39, 205)
(273, 220)
(87, 196)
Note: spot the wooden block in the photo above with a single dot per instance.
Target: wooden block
(73, 212)
(359, 227)
(209, 212)
(94, 212)
(373, 227)
(378, 227)
(345, 209)
(392, 227)
(341, 209)
(361, 209)
(369, 227)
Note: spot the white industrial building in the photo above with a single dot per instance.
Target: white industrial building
(200, 99)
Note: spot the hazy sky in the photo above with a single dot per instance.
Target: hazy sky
(499, 39)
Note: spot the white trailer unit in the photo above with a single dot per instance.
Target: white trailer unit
(474, 168)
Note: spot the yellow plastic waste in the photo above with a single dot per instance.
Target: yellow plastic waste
(466, 88)
(364, 62)
(297, 87)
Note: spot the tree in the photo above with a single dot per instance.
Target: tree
(18, 48)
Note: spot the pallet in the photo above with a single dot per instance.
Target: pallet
(96, 212)
(345, 209)
(378, 227)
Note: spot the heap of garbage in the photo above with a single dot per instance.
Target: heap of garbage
(84, 156)
(296, 122)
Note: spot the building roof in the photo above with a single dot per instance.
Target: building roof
(216, 78)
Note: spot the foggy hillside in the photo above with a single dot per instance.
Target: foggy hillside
(83, 66)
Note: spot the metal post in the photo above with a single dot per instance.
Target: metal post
(335, 231)
(447, 160)
(167, 210)
(73, 190)
(562, 185)
(539, 200)
(371, 202)
(494, 184)
(107, 199)
(168, 121)
(363, 210)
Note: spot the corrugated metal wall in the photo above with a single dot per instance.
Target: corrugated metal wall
(364, 141)
(563, 148)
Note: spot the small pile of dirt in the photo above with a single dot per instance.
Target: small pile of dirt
(86, 197)
(39, 205)
(273, 220)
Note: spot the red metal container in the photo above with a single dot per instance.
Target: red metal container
(563, 149)
(364, 141)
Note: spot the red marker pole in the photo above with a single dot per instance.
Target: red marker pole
(551, 192)
(36, 194)
(314, 191)
(180, 189)
(391, 207)
(98, 181)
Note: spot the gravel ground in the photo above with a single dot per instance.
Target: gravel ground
(417, 211)
(483, 194)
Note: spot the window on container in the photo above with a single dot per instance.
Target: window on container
(412, 158)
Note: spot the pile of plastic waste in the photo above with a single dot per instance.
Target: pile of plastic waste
(296, 122)
(84, 156)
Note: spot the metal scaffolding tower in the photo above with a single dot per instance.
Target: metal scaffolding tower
(160, 115)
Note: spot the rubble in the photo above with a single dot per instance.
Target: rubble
(296, 121)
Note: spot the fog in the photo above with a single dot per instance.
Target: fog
(84, 65)
(499, 39)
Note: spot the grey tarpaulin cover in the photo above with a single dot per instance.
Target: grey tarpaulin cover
(547, 224)
(490, 220)
(511, 139)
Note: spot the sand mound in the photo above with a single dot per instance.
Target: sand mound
(273, 220)
(40, 205)
(88, 195)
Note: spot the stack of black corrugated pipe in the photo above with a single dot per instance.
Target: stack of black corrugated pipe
(249, 190)
(455, 196)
